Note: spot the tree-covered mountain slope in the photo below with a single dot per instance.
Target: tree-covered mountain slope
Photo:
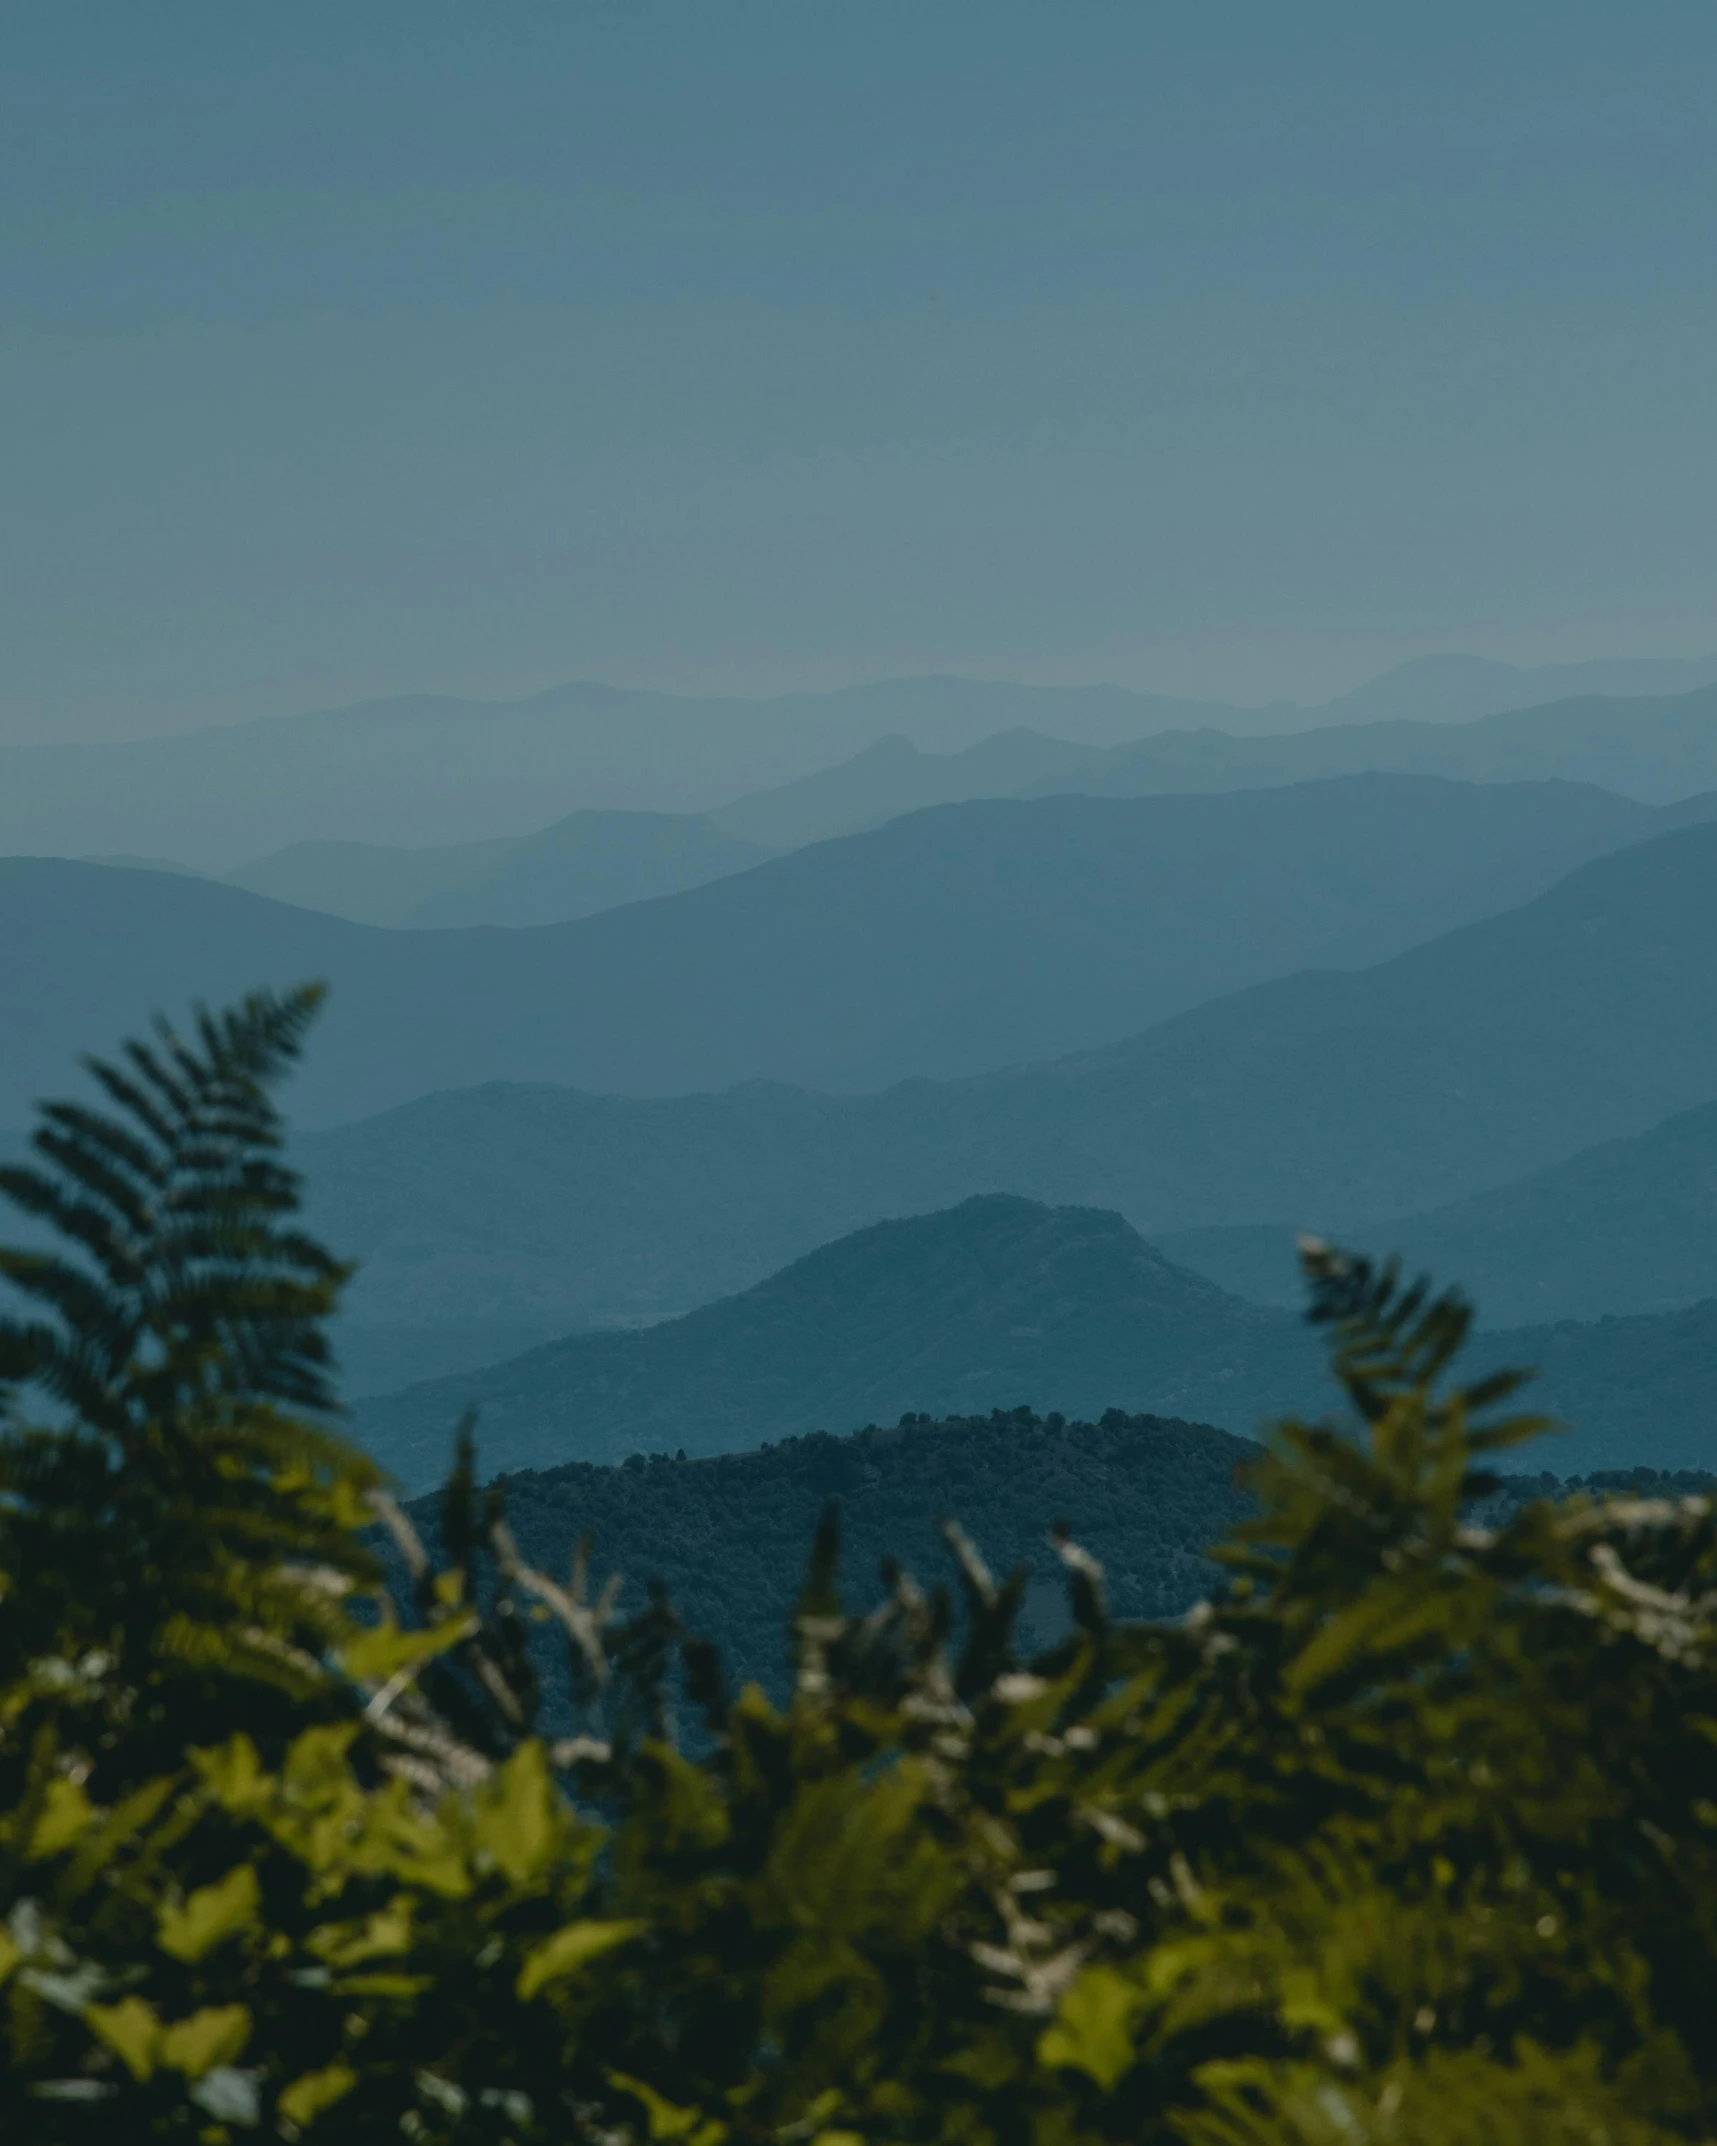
(1627, 1226)
(1323, 1101)
(946, 943)
(1002, 1303)
(998, 1302)
(729, 1535)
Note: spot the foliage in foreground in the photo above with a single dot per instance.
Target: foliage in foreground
(1407, 1837)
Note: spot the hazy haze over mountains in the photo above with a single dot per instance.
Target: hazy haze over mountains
(1323, 1100)
(433, 770)
(587, 862)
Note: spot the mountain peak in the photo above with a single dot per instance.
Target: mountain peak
(998, 1302)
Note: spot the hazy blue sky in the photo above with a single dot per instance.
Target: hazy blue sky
(1234, 348)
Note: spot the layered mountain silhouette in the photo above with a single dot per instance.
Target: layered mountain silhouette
(893, 777)
(585, 863)
(988, 1306)
(431, 769)
(1460, 689)
(1657, 753)
(995, 1303)
(1324, 1100)
(1657, 749)
(946, 943)
(1627, 1226)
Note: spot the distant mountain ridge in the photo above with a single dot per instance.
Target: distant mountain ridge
(1324, 1100)
(991, 1305)
(1658, 749)
(943, 944)
(579, 866)
(433, 769)
(1629, 1226)
(995, 1302)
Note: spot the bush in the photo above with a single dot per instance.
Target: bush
(1406, 1835)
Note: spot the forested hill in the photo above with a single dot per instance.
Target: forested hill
(730, 1536)
(994, 1303)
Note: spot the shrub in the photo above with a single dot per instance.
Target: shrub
(1406, 1835)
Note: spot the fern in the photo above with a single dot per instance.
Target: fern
(161, 1480)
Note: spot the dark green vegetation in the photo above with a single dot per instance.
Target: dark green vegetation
(1404, 1837)
(1322, 1100)
(948, 942)
(587, 862)
(994, 1303)
(1628, 1226)
(1146, 1495)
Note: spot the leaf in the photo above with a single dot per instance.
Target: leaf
(668, 2120)
(232, 1773)
(215, 2035)
(517, 1819)
(1093, 2027)
(570, 1949)
(67, 1814)
(305, 2099)
(131, 2029)
(211, 1914)
(376, 1656)
(382, 1935)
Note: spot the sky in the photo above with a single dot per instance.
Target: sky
(1225, 348)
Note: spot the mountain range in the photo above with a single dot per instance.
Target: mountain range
(1627, 1226)
(992, 1305)
(1325, 1100)
(1655, 748)
(1652, 748)
(946, 943)
(428, 769)
(580, 865)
